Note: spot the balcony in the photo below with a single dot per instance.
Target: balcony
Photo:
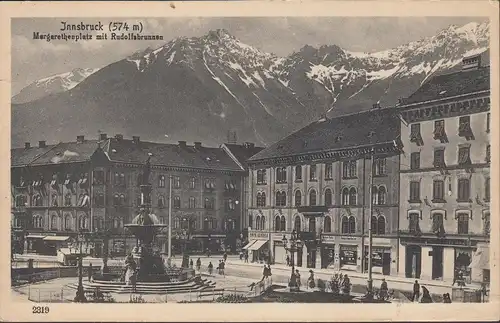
(313, 209)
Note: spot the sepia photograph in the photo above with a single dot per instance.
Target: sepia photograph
(251, 159)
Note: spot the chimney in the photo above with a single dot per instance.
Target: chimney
(136, 139)
(249, 145)
(119, 136)
(182, 144)
(197, 144)
(80, 139)
(103, 136)
(42, 144)
(27, 145)
(471, 62)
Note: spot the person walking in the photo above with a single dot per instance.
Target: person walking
(426, 296)
(246, 257)
(310, 281)
(264, 273)
(208, 253)
(287, 260)
(297, 275)
(224, 256)
(191, 263)
(198, 264)
(384, 290)
(210, 268)
(416, 291)
(222, 267)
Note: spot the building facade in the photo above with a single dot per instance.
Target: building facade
(317, 182)
(94, 186)
(445, 176)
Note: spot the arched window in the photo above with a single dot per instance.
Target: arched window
(67, 222)
(345, 224)
(328, 224)
(257, 222)
(177, 223)
(298, 198)
(312, 197)
(352, 225)
(250, 221)
(206, 224)
(283, 223)
(297, 224)
(161, 181)
(53, 222)
(277, 223)
(116, 223)
(122, 199)
(312, 224)
(374, 195)
(116, 200)
(280, 198)
(192, 202)
(381, 225)
(381, 195)
(328, 197)
(177, 202)
(263, 223)
(261, 199)
(298, 173)
(353, 195)
(161, 201)
(345, 196)
(374, 224)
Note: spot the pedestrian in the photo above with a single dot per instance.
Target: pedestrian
(447, 298)
(416, 291)
(90, 272)
(310, 281)
(346, 285)
(269, 274)
(426, 296)
(383, 290)
(264, 273)
(287, 260)
(208, 253)
(210, 268)
(224, 256)
(246, 257)
(198, 264)
(223, 265)
(297, 275)
(191, 263)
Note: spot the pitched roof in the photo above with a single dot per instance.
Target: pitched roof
(172, 155)
(69, 152)
(453, 84)
(353, 130)
(243, 152)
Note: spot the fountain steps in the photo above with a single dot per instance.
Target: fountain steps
(184, 287)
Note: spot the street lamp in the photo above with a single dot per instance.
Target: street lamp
(294, 243)
(80, 293)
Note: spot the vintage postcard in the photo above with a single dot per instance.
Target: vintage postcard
(302, 161)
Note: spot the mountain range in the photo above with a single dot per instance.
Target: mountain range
(198, 89)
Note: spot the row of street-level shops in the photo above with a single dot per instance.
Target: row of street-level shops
(330, 251)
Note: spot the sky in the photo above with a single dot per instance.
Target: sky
(36, 59)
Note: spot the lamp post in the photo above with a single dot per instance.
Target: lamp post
(80, 293)
(294, 242)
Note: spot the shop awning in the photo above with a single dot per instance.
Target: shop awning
(248, 245)
(257, 245)
(56, 238)
(35, 236)
(481, 259)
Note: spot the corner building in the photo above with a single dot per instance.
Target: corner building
(316, 181)
(445, 176)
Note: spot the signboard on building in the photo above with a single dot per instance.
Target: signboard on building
(258, 235)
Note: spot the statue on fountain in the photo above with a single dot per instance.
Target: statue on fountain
(130, 269)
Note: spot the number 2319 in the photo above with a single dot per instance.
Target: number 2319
(40, 309)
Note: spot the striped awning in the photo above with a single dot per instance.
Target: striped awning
(257, 245)
(56, 238)
(249, 244)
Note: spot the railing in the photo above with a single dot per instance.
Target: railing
(50, 295)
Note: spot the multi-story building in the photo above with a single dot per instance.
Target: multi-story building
(445, 176)
(94, 185)
(316, 181)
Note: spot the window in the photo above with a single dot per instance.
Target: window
(488, 122)
(414, 192)
(439, 158)
(206, 224)
(119, 179)
(380, 225)
(261, 199)
(83, 223)
(298, 198)
(37, 200)
(177, 223)
(177, 182)
(312, 173)
(312, 224)
(486, 224)
(464, 156)
(184, 224)
(438, 224)
(345, 224)
(345, 196)
(353, 195)
(328, 197)
(463, 190)
(116, 200)
(297, 224)
(192, 202)
(53, 223)
(67, 222)
(298, 173)
(21, 200)
(487, 189)
(438, 191)
(415, 135)
(488, 154)
(263, 223)
(349, 169)
(281, 175)
(67, 199)
(329, 171)
(415, 161)
(230, 204)
(277, 223)
(464, 129)
(250, 221)
(161, 181)
(463, 223)
(312, 197)
(99, 200)
(192, 183)
(161, 201)
(261, 177)
(379, 167)
(348, 224)
(439, 131)
(283, 223)
(98, 177)
(381, 196)
(280, 198)
(177, 202)
(54, 200)
(328, 224)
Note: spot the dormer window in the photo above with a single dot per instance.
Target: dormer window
(439, 131)
(415, 135)
(464, 128)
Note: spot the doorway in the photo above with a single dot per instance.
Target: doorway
(299, 257)
(386, 263)
(413, 261)
(437, 262)
(311, 258)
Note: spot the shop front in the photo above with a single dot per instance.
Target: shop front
(54, 243)
(381, 260)
(327, 251)
(348, 257)
(279, 252)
